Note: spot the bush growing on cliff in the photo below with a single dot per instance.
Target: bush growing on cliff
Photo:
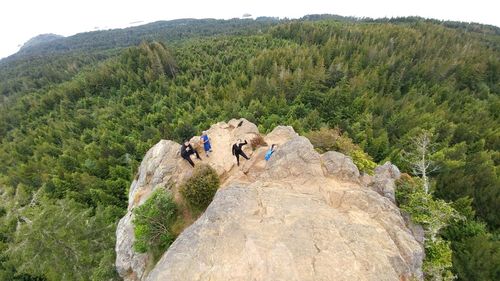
(324, 139)
(476, 253)
(199, 190)
(437, 263)
(363, 161)
(433, 215)
(153, 223)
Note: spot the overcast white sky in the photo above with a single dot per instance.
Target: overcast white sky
(21, 20)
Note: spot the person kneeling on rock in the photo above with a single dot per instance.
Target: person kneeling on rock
(270, 152)
(187, 150)
(237, 151)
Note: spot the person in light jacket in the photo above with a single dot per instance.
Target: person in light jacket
(206, 143)
(270, 152)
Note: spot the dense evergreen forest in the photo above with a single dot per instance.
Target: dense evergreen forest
(77, 115)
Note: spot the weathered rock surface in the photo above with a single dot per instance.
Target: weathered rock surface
(158, 168)
(341, 166)
(384, 180)
(129, 264)
(296, 157)
(280, 135)
(272, 232)
(298, 216)
(416, 229)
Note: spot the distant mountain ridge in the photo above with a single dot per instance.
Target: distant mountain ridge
(161, 30)
(66, 55)
(178, 29)
(87, 48)
(40, 39)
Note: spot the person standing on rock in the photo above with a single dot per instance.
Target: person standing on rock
(237, 151)
(187, 150)
(206, 143)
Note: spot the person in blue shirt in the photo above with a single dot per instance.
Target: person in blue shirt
(270, 152)
(206, 143)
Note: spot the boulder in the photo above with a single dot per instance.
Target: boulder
(242, 129)
(298, 216)
(388, 170)
(280, 135)
(416, 229)
(161, 162)
(295, 158)
(340, 166)
(384, 179)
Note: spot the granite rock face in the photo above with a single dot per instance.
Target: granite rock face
(273, 232)
(384, 179)
(298, 216)
(280, 135)
(162, 167)
(294, 158)
(158, 168)
(339, 165)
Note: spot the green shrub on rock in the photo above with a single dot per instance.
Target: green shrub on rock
(433, 215)
(153, 223)
(363, 161)
(438, 262)
(407, 185)
(199, 190)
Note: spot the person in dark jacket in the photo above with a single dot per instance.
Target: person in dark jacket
(187, 150)
(237, 151)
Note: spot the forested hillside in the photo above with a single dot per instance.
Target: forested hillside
(48, 59)
(74, 124)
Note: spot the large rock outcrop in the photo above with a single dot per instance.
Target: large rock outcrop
(298, 216)
(162, 167)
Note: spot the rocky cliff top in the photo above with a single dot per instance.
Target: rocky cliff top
(298, 216)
